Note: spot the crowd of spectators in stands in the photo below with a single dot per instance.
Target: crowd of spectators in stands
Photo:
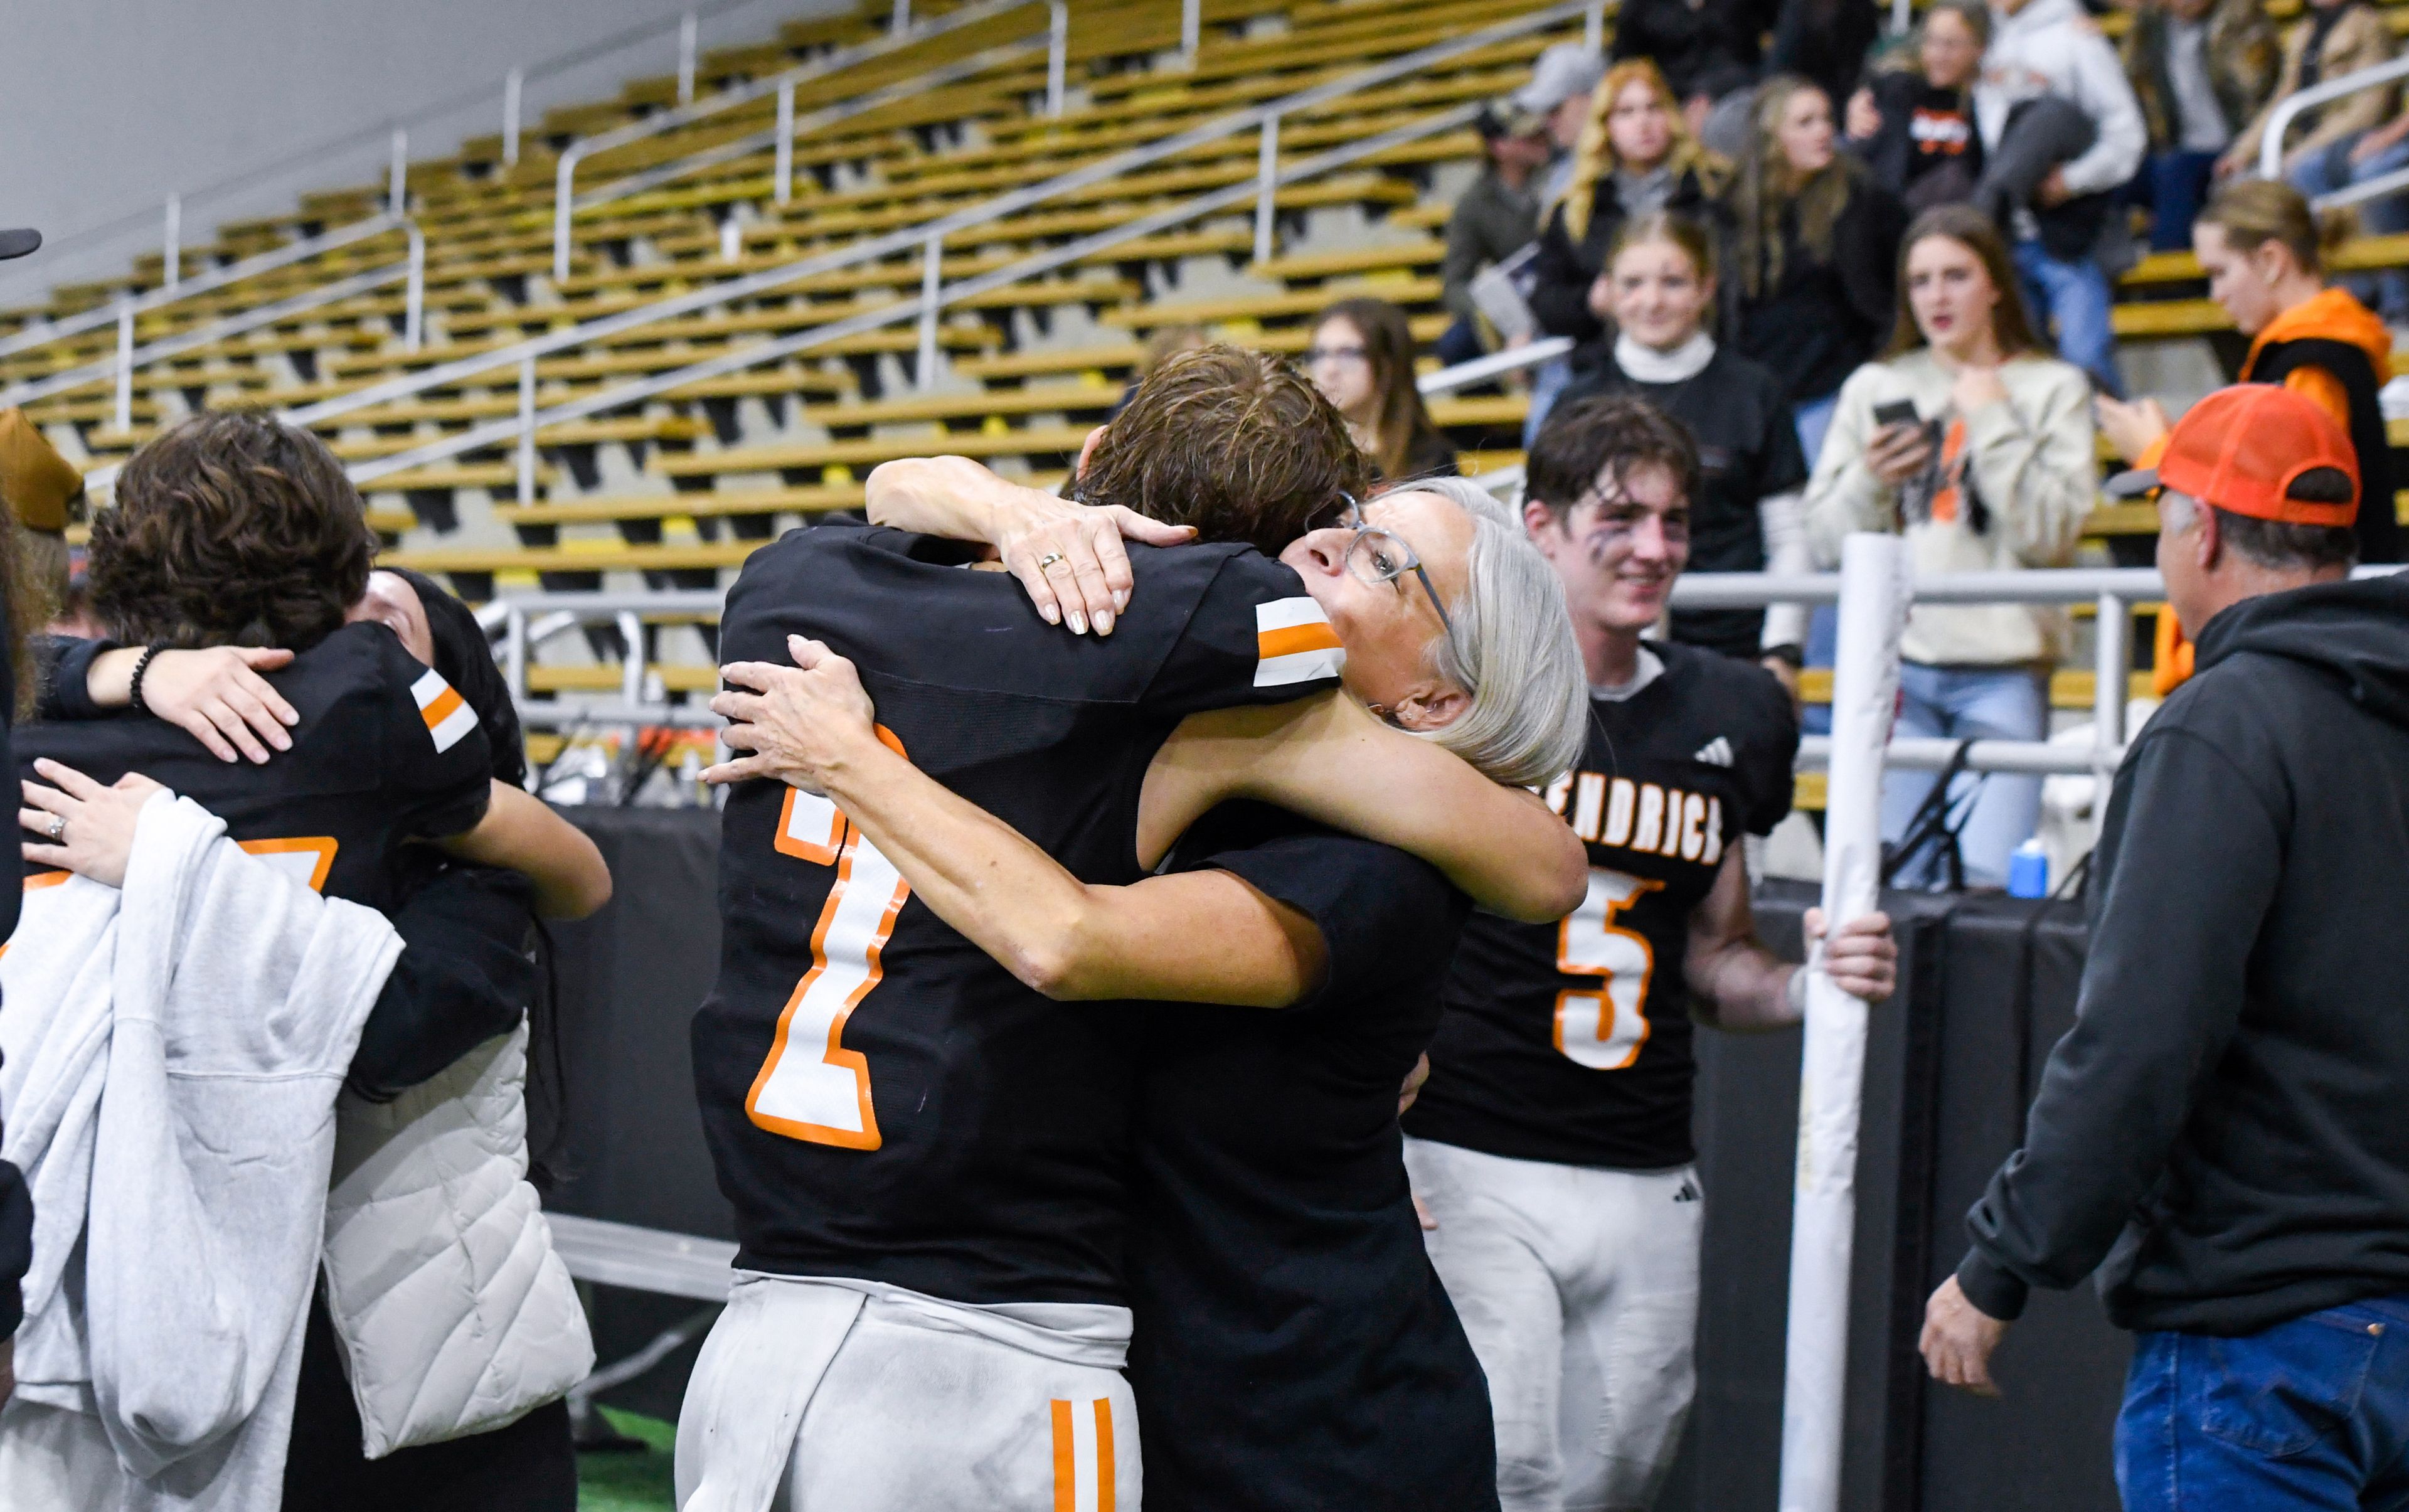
(1716, 215)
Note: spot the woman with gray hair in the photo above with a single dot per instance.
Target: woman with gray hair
(1272, 1239)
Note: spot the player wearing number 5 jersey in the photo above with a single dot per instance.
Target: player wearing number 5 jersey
(927, 1157)
(1552, 1145)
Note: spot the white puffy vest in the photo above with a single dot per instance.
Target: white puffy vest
(454, 1313)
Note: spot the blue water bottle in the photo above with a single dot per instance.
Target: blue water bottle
(2028, 870)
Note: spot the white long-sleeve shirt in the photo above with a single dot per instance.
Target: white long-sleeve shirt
(2052, 46)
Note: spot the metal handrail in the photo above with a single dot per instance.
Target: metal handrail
(565, 198)
(1497, 365)
(47, 332)
(921, 308)
(2271, 146)
(2113, 590)
(929, 234)
(412, 270)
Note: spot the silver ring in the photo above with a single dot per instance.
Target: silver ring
(58, 829)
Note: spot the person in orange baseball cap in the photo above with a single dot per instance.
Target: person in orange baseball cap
(2220, 1135)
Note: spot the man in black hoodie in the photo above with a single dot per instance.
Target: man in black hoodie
(2223, 1132)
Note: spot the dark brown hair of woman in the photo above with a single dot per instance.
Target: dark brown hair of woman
(231, 528)
(1389, 347)
(1235, 443)
(1763, 191)
(2010, 327)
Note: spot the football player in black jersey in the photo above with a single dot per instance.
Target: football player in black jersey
(1551, 1143)
(895, 1116)
(1293, 1347)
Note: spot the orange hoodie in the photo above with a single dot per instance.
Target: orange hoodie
(2332, 315)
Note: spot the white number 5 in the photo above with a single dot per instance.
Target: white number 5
(1602, 1027)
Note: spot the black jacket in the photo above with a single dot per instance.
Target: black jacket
(1710, 48)
(16, 1202)
(1562, 270)
(2222, 1132)
(1825, 317)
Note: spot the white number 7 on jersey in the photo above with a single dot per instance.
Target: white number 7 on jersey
(810, 1086)
(1602, 1027)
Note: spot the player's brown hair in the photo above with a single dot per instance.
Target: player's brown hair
(1235, 443)
(232, 528)
(1610, 435)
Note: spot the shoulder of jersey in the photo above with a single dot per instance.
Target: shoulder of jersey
(1723, 683)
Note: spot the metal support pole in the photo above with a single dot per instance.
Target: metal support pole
(397, 194)
(1902, 17)
(1057, 56)
(631, 660)
(932, 282)
(1266, 189)
(686, 58)
(1874, 598)
(1594, 26)
(1192, 28)
(902, 21)
(173, 267)
(413, 294)
(527, 431)
(2111, 661)
(125, 366)
(514, 650)
(513, 90)
(564, 206)
(786, 141)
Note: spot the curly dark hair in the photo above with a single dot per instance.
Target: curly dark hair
(232, 528)
(1238, 444)
(1605, 436)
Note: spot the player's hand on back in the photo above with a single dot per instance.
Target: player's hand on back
(1861, 958)
(86, 829)
(1069, 558)
(799, 723)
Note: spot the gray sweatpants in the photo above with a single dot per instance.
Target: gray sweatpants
(1578, 1288)
(849, 1396)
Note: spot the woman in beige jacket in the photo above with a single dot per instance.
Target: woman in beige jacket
(1995, 472)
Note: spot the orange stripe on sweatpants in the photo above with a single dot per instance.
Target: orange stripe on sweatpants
(1289, 639)
(1066, 1469)
(1104, 1454)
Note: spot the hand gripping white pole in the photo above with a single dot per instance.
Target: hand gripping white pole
(1874, 595)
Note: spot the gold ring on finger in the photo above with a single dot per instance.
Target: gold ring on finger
(1045, 563)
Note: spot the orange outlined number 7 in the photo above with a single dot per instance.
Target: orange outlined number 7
(1602, 1027)
(810, 1086)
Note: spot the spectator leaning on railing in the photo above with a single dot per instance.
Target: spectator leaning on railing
(2220, 1135)
(1913, 126)
(1494, 219)
(2334, 38)
(2200, 70)
(1973, 443)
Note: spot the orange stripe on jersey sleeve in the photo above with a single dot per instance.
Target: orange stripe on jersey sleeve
(1289, 639)
(446, 704)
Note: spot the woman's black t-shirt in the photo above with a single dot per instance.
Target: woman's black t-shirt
(1293, 1349)
(1748, 451)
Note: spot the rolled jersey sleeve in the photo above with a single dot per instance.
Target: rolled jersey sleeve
(463, 977)
(2161, 996)
(62, 663)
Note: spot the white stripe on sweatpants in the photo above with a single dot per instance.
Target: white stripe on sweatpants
(832, 1393)
(1578, 1288)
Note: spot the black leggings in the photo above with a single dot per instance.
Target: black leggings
(530, 1466)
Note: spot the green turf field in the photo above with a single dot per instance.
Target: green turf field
(627, 1481)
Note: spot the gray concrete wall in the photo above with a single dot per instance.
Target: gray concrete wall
(107, 106)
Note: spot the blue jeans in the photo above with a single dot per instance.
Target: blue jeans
(2173, 186)
(2075, 295)
(1547, 381)
(2332, 169)
(1459, 343)
(1978, 703)
(2313, 1413)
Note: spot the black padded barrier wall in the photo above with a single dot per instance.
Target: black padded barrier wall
(1988, 987)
